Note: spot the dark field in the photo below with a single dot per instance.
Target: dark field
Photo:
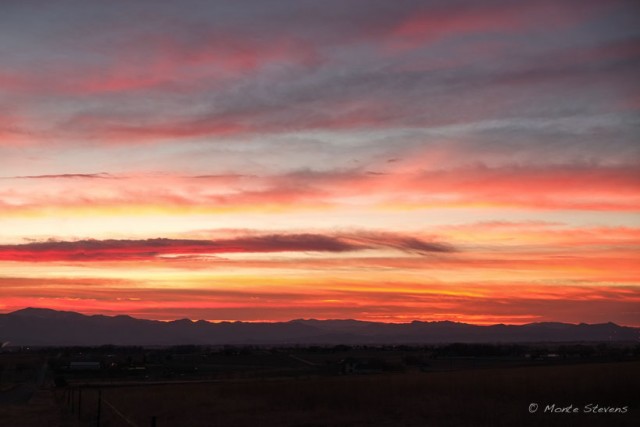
(487, 397)
(339, 386)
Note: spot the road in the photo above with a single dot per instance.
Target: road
(22, 393)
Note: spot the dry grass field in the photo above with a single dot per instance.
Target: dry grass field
(23, 403)
(480, 397)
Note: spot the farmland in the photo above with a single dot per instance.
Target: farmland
(496, 396)
(297, 386)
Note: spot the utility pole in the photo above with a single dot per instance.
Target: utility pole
(99, 408)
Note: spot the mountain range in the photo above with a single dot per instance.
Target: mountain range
(45, 327)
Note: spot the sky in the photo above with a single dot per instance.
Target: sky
(272, 160)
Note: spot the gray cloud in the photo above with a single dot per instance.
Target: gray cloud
(147, 249)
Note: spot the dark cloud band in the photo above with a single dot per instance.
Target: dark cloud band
(129, 250)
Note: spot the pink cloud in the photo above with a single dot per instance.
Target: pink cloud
(579, 187)
(432, 25)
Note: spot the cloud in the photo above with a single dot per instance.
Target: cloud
(290, 68)
(149, 249)
(321, 116)
(433, 24)
(400, 184)
(398, 241)
(589, 187)
(101, 175)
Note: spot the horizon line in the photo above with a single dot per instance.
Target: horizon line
(310, 319)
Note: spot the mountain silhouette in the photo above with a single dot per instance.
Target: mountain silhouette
(45, 327)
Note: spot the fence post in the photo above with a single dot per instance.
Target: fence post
(99, 408)
(153, 421)
(79, 402)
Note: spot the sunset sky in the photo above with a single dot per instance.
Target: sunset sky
(472, 161)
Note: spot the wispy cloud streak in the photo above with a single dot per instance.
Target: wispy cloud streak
(128, 250)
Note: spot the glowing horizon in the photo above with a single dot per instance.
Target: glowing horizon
(388, 162)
